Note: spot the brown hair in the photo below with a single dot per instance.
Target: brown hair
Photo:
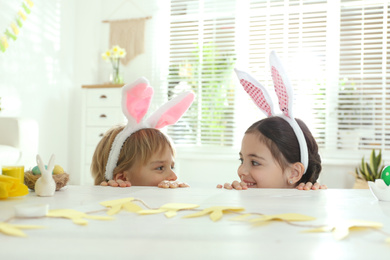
(136, 151)
(277, 134)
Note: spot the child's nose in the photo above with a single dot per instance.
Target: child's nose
(242, 171)
(172, 176)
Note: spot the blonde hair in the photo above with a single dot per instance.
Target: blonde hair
(136, 151)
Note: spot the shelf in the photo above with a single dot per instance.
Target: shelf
(103, 86)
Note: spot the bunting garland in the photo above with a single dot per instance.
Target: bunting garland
(12, 31)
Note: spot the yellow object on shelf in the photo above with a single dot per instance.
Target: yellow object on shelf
(14, 171)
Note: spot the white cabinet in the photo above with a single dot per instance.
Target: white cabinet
(101, 111)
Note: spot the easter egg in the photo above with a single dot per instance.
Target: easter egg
(385, 176)
(58, 170)
(36, 170)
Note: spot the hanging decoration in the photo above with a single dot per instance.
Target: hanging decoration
(129, 34)
(12, 31)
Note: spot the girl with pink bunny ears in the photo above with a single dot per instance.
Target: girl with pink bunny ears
(139, 154)
(278, 151)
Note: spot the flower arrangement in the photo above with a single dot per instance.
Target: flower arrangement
(114, 55)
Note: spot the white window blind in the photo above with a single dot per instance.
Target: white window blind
(297, 31)
(335, 52)
(202, 55)
(363, 93)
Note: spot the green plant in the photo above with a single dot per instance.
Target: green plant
(370, 171)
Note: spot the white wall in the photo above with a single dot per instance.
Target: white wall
(59, 50)
(36, 75)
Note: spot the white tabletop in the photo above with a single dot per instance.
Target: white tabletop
(133, 236)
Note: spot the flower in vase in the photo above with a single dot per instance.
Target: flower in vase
(114, 55)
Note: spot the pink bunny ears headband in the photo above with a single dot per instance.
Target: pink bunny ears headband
(136, 99)
(284, 91)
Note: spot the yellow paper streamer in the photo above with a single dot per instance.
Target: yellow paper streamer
(243, 217)
(283, 217)
(15, 230)
(341, 229)
(117, 205)
(170, 209)
(216, 212)
(76, 216)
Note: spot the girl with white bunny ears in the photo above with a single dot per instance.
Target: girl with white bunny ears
(278, 151)
(123, 155)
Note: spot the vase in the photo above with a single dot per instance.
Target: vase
(116, 76)
(360, 184)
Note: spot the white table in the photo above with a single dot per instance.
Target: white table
(133, 236)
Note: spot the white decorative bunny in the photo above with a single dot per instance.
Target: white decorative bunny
(45, 186)
(136, 99)
(284, 91)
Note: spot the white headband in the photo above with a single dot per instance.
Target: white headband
(136, 99)
(284, 91)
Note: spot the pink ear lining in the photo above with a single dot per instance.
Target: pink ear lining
(281, 91)
(257, 95)
(173, 114)
(138, 100)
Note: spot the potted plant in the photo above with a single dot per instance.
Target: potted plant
(368, 171)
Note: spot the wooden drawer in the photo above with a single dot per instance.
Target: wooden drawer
(104, 117)
(94, 134)
(104, 97)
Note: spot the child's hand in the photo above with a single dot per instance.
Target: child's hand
(172, 184)
(311, 186)
(118, 183)
(235, 185)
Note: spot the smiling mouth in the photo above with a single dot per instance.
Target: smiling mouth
(251, 184)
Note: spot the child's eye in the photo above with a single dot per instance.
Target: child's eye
(172, 167)
(254, 163)
(241, 160)
(161, 168)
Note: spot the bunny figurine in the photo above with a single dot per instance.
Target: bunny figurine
(45, 186)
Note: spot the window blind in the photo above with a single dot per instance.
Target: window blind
(363, 91)
(201, 58)
(336, 54)
(297, 31)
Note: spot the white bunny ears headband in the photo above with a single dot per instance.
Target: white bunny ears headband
(284, 91)
(136, 99)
